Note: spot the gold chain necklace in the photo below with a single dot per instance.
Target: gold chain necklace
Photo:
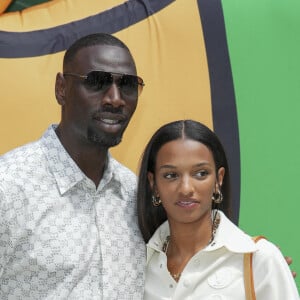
(215, 225)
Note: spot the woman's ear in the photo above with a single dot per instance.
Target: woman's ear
(60, 89)
(151, 179)
(220, 176)
(152, 184)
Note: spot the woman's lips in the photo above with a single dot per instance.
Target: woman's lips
(187, 203)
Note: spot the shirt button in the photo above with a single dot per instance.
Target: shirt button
(171, 286)
(160, 265)
(186, 283)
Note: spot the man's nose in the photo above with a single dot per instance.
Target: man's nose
(113, 96)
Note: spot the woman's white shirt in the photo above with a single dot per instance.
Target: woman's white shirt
(216, 272)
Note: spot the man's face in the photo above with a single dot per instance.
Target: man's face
(92, 114)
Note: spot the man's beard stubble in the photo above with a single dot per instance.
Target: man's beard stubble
(104, 139)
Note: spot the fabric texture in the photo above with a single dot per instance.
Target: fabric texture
(60, 236)
(216, 272)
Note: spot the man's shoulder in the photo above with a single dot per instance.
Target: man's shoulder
(25, 154)
(124, 176)
(19, 152)
(122, 170)
(20, 158)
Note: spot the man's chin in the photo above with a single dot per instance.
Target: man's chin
(105, 141)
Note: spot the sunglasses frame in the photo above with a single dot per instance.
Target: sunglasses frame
(140, 81)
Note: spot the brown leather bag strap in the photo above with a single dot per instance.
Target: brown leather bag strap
(248, 272)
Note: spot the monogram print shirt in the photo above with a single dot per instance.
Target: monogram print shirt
(61, 237)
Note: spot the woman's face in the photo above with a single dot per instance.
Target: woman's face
(185, 180)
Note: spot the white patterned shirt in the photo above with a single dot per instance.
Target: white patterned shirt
(60, 236)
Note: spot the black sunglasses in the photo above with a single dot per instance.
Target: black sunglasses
(129, 85)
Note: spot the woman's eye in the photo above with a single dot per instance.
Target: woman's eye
(170, 175)
(201, 173)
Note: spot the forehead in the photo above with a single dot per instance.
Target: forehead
(103, 57)
(184, 152)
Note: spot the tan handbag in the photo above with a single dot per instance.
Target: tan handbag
(248, 272)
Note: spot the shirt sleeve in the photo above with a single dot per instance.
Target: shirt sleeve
(4, 232)
(272, 276)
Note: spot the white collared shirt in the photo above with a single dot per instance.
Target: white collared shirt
(60, 236)
(216, 272)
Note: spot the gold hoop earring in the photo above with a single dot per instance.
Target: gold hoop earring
(217, 197)
(156, 201)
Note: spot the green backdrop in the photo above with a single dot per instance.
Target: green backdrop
(22, 4)
(264, 45)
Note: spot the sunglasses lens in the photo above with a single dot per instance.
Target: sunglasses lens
(99, 80)
(131, 85)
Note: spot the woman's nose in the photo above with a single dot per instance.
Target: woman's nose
(186, 186)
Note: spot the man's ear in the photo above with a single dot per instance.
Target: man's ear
(60, 89)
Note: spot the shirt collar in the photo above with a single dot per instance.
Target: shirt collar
(228, 235)
(232, 237)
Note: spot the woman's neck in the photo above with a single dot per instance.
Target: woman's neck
(186, 240)
(189, 238)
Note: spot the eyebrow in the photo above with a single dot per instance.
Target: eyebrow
(174, 167)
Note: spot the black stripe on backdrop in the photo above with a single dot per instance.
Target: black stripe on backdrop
(224, 111)
(59, 38)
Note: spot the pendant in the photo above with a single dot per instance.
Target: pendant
(176, 276)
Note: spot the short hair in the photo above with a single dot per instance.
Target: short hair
(92, 40)
(150, 217)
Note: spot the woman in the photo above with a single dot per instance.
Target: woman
(194, 250)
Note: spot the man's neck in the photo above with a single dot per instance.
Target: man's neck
(90, 158)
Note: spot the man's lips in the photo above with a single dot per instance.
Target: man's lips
(109, 121)
(110, 118)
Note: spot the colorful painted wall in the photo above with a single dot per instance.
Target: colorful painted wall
(233, 65)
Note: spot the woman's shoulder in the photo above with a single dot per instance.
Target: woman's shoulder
(265, 246)
(269, 258)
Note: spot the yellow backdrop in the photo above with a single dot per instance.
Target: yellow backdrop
(171, 61)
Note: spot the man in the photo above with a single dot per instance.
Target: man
(68, 227)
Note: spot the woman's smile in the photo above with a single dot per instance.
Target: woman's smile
(188, 203)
